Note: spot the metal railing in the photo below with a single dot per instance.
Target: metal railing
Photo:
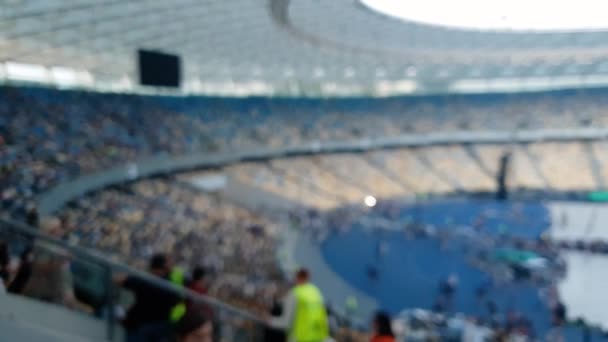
(96, 292)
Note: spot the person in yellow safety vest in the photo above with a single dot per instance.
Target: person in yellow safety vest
(304, 314)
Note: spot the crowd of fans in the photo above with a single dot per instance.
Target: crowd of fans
(423, 325)
(226, 275)
(50, 136)
(236, 246)
(236, 249)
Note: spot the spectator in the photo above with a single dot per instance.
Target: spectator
(197, 283)
(194, 327)
(447, 289)
(51, 278)
(381, 328)
(372, 273)
(492, 313)
(31, 217)
(24, 272)
(559, 314)
(148, 319)
(304, 315)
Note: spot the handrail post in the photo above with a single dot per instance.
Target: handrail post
(109, 303)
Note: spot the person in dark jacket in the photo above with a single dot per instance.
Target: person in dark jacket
(198, 284)
(381, 328)
(148, 319)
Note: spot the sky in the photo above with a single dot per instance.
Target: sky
(542, 15)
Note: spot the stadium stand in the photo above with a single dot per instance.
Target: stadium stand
(99, 174)
(551, 160)
(264, 178)
(525, 171)
(407, 163)
(168, 214)
(326, 180)
(186, 128)
(252, 167)
(600, 153)
(45, 142)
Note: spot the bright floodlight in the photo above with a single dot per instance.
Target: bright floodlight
(370, 201)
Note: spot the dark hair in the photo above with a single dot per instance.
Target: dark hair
(158, 261)
(302, 274)
(190, 322)
(383, 324)
(198, 273)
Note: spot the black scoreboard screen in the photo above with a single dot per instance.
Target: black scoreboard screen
(159, 69)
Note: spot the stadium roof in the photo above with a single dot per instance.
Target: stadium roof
(281, 46)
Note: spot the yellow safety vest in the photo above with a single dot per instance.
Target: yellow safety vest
(179, 310)
(310, 321)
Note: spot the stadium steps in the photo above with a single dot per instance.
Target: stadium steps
(472, 153)
(451, 181)
(347, 179)
(307, 253)
(535, 161)
(596, 166)
(255, 198)
(25, 319)
(377, 164)
(312, 185)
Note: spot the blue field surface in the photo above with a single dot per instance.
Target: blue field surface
(410, 271)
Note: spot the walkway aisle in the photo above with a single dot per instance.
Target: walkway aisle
(303, 252)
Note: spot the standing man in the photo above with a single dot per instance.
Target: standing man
(148, 318)
(304, 314)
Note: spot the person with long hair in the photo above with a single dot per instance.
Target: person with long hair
(381, 328)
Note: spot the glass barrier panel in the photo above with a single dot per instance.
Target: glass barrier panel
(48, 269)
